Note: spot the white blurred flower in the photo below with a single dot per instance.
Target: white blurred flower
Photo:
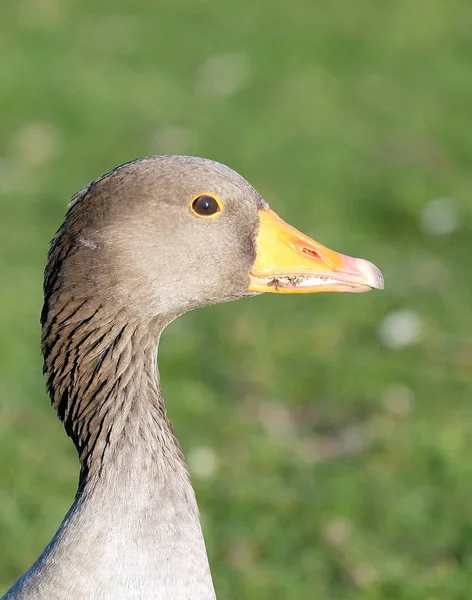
(222, 75)
(338, 533)
(202, 461)
(400, 329)
(398, 400)
(439, 217)
(40, 13)
(277, 420)
(35, 144)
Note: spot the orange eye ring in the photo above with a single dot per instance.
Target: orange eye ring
(206, 205)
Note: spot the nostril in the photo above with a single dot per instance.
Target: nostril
(312, 253)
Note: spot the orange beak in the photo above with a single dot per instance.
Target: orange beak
(289, 262)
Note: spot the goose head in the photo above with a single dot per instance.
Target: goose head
(160, 236)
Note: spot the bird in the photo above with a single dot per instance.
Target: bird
(140, 246)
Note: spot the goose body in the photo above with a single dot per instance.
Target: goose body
(140, 246)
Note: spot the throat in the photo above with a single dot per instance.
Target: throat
(102, 376)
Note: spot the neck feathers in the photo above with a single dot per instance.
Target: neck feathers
(102, 378)
(133, 530)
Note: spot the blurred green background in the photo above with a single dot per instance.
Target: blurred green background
(329, 437)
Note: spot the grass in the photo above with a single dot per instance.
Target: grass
(327, 463)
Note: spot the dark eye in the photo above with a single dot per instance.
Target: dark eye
(206, 205)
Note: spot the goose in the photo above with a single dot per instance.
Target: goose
(145, 243)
